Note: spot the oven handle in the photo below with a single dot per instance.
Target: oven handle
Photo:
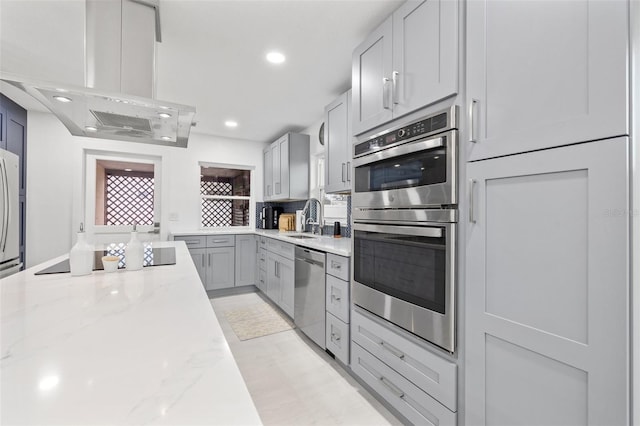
(423, 231)
(407, 148)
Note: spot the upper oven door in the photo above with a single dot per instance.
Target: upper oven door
(417, 174)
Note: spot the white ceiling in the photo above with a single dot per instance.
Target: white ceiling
(212, 56)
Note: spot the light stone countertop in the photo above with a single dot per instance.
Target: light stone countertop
(326, 243)
(122, 348)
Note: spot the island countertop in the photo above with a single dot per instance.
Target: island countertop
(121, 348)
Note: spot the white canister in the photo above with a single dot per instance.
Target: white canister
(81, 255)
(134, 252)
(299, 219)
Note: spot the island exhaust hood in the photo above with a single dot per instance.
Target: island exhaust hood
(118, 102)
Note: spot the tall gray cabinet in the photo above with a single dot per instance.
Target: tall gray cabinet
(409, 61)
(337, 137)
(547, 261)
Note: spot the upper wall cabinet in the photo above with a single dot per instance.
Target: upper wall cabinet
(286, 168)
(543, 74)
(409, 61)
(337, 137)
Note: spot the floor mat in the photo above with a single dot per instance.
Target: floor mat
(257, 320)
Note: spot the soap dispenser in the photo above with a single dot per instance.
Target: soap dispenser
(81, 255)
(134, 252)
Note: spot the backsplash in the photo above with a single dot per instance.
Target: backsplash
(292, 206)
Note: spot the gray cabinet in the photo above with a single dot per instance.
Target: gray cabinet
(245, 256)
(268, 174)
(286, 168)
(337, 137)
(199, 257)
(408, 62)
(280, 273)
(547, 287)
(220, 272)
(421, 385)
(214, 258)
(338, 305)
(545, 74)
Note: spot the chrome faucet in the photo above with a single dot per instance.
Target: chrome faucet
(305, 212)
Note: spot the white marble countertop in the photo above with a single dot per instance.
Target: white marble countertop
(122, 348)
(326, 243)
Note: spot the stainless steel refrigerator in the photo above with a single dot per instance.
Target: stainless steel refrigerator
(9, 215)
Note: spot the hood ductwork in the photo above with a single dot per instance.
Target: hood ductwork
(120, 74)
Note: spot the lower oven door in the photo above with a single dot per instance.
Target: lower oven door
(406, 274)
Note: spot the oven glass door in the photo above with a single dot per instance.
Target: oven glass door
(406, 262)
(406, 171)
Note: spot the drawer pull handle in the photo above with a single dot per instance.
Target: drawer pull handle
(335, 265)
(219, 241)
(393, 388)
(335, 337)
(393, 350)
(190, 242)
(336, 298)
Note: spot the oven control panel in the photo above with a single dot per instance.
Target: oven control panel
(418, 128)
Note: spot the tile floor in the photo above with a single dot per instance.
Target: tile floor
(293, 382)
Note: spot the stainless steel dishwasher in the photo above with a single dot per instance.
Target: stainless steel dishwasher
(309, 306)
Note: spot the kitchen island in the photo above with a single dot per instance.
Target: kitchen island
(128, 347)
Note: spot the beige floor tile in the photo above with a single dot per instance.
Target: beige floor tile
(293, 382)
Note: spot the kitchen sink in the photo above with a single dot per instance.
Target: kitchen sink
(302, 237)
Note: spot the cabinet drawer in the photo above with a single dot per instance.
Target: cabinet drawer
(337, 298)
(262, 280)
(428, 371)
(417, 406)
(221, 240)
(280, 247)
(262, 259)
(192, 241)
(338, 266)
(337, 338)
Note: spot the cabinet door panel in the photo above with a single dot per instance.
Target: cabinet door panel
(200, 262)
(276, 170)
(246, 251)
(221, 272)
(268, 174)
(547, 287)
(371, 64)
(545, 73)
(283, 186)
(425, 53)
(273, 281)
(287, 283)
(337, 144)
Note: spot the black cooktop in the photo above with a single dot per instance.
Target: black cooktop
(152, 257)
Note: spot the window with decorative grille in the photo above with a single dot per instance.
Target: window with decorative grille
(225, 196)
(124, 193)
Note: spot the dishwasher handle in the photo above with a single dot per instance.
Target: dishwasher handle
(310, 261)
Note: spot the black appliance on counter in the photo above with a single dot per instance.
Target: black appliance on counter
(270, 216)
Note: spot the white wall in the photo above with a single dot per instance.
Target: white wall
(55, 180)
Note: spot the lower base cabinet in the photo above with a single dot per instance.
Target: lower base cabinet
(417, 382)
(280, 273)
(214, 257)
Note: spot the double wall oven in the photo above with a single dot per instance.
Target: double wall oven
(405, 217)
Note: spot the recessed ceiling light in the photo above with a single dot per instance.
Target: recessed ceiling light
(62, 99)
(164, 114)
(127, 170)
(90, 129)
(231, 123)
(165, 138)
(275, 57)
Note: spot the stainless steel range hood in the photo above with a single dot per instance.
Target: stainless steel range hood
(120, 74)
